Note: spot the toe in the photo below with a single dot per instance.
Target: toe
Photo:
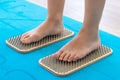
(82, 55)
(66, 57)
(57, 54)
(28, 40)
(76, 58)
(62, 56)
(24, 36)
(71, 57)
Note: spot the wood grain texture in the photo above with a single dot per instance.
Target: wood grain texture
(75, 9)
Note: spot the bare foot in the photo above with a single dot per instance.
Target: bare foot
(78, 48)
(47, 28)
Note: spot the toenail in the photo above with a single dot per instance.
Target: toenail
(60, 58)
(68, 60)
(64, 60)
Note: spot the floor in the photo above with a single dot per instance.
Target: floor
(75, 9)
(19, 16)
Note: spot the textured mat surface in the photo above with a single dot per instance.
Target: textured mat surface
(62, 68)
(17, 17)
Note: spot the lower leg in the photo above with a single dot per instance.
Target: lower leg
(87, 40)
(55, 10)
(53, 24)
(93, 13)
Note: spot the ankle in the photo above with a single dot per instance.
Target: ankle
(90, 30)
(54, 22)
(88, 34)
(56, 19)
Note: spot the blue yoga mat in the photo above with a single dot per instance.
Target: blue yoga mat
(19, 16)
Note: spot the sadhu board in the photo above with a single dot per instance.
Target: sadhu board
(16, 44)
(62, 68)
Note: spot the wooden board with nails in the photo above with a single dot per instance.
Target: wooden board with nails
(62, 68)
(16, 44)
